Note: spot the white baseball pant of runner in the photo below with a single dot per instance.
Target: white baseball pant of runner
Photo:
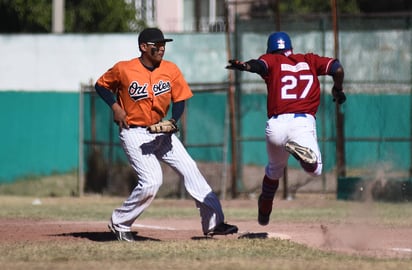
(145, 151)
(300, 128)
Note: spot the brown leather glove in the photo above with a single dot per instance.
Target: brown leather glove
(166, 126)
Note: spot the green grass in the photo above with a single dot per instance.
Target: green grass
(95, 208)
(203, 254)
(47, 186)
(213, 254)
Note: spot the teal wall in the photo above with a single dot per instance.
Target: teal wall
(39, 133)
(387, 120)
(377, 129)
(40, 128)
(205, 118)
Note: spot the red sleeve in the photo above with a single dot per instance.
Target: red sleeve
(322, 64)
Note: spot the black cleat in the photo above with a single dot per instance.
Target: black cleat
(122, 236)
(301, 153)
(223, 229)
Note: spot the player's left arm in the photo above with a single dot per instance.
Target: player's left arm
(180, 92)
(337, 72)
(169, 126)
(177, 110)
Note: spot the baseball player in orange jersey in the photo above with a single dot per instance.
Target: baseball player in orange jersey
(145, 88)
(292, 102)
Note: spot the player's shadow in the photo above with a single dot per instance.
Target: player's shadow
(259, 235)
(102, 236)
(248, 235)
(202, 238)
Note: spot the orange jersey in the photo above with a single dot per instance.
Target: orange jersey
(145, 95)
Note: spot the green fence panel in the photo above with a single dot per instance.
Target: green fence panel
(39, 134)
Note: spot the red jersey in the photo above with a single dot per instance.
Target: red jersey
(292, 82)
(145, 95)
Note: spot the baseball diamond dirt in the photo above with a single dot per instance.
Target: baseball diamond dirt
(358, 234)
(349, 237)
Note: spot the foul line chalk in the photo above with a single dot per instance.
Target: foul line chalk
(154, 227)
(279, 236)
(402, 249)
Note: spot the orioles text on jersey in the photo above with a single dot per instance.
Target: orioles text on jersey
(138, 92)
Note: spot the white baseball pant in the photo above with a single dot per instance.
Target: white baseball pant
(144, 151)
(300, 128)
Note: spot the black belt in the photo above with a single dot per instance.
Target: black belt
(294, 116)
(136, 126)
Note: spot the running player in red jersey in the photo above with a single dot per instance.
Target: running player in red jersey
(293, 97)
(145, 88)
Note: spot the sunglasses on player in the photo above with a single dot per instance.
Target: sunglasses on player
(157, 44)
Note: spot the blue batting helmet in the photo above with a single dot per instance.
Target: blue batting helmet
(279, 41)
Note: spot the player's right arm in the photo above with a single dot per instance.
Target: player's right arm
(105, 87)
(119, 115)
(253, 65)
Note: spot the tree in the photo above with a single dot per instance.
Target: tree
(81, 16)
(23, 16)
(261, 8)
(268, 7)
(384, 6)
(87, 16)
(317, 6)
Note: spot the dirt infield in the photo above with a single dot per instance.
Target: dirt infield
(360, 239)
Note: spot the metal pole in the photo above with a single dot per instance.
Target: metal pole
(340, 136)
(232, 111)
(285, 170)
(58, 16)
(183, 137)
(277, 13)
(410, 111)
(323, 101)
(223, 185)
(197, 15)
(80, 176)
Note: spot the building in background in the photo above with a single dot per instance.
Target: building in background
(187, 15)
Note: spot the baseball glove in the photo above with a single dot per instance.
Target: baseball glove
(338, 95)
(236, 64)
(167, 126)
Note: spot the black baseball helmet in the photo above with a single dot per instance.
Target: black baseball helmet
(152, 35)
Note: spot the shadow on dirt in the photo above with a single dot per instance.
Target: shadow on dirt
(202, 238)
(260, 235)
(101, 236)
(248, 235)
